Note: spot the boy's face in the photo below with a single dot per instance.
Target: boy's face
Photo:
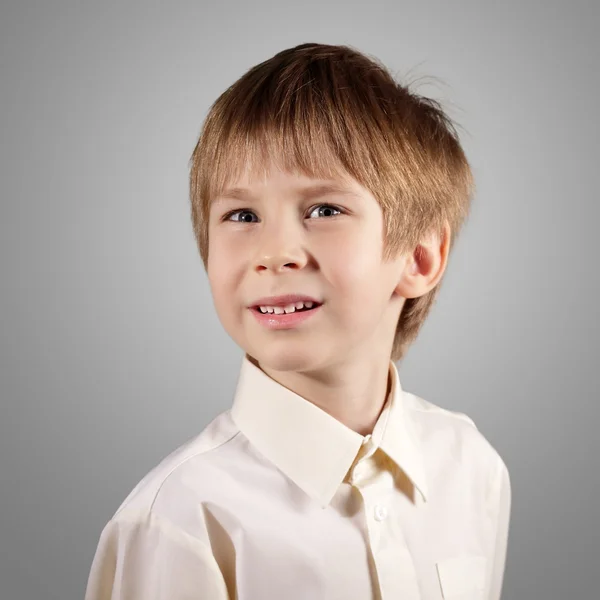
(327, 246)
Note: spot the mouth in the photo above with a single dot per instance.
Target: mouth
(287, 321)
(296, 310)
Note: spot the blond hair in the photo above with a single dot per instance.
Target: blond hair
(327, 110)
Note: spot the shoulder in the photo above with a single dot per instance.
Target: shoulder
(451, 438)
(173, 488)
(159, 538)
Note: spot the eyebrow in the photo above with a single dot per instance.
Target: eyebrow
(305, 193)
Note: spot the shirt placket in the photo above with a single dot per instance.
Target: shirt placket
(395, 571)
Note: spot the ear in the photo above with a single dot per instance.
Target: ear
(425, 266)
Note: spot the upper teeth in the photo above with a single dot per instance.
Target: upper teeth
(279, 310)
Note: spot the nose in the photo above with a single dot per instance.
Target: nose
(280, 248)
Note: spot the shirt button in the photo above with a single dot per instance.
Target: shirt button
(380, 512)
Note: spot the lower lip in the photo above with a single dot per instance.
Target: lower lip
(284, 321)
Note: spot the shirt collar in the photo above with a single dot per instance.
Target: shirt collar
(310, 446)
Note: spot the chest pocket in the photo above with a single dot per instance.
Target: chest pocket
(462, 577)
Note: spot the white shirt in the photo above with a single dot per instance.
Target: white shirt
(276, 499)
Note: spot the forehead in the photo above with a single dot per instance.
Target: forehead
(301, 185)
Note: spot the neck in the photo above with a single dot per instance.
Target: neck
(353, 394)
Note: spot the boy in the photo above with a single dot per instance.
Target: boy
(325, 479)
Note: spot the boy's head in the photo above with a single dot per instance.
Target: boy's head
(373, 252)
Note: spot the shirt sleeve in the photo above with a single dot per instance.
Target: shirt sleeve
(144, 557)
(502, 496)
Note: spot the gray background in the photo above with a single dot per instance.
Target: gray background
(111, 352)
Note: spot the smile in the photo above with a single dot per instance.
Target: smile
(279, 319)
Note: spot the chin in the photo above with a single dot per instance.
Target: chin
(286, 359)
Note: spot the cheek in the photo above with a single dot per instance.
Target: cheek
(223, 257)
(353, 266)
(221, 279)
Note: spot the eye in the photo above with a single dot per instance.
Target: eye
(236, 212)
(329, 208)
